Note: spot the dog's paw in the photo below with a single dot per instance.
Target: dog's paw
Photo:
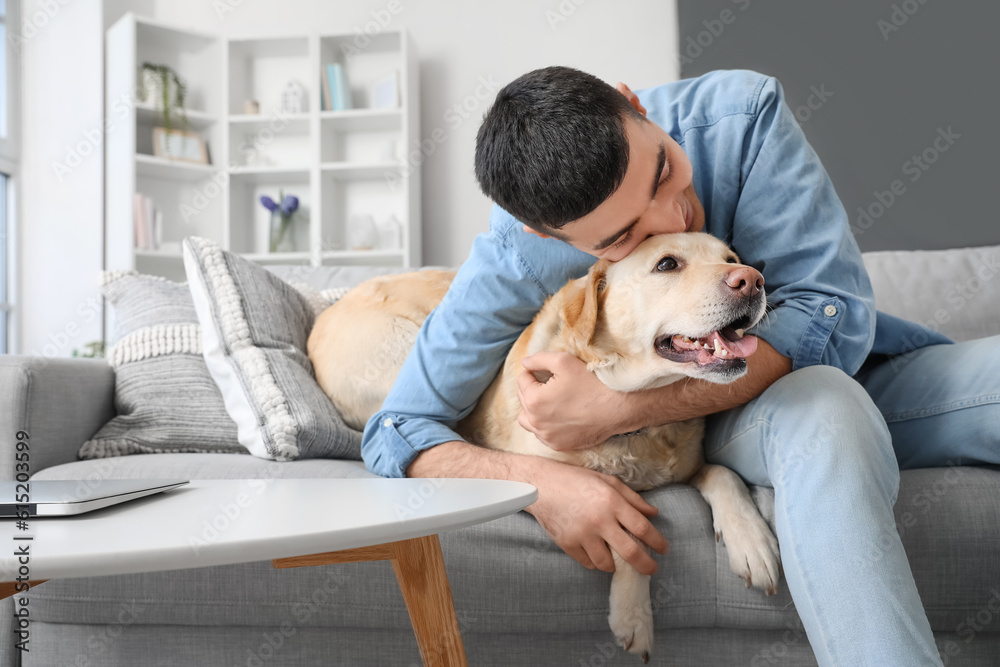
(633, 628)
(753, 553)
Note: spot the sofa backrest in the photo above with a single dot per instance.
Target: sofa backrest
(956, 292)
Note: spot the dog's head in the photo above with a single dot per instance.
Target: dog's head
(677, 306)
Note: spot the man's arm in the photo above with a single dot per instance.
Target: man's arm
(563, 418)
(457, 353)
(582, 510)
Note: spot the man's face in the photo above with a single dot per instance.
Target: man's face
(656, 197)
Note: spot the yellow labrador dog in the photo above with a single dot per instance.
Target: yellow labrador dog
(676, 307)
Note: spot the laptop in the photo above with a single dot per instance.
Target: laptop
(65, 497)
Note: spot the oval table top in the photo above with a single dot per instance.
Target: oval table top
(221, 522)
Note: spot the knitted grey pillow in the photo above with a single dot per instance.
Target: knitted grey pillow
(254, 328)
(165, 399)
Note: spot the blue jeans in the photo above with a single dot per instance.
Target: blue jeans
(832, 446)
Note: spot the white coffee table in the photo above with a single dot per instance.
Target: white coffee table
(292, 523)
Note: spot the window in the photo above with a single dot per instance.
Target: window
(9, 158)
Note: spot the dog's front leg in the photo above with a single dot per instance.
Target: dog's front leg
(752, 547)
(631, 617)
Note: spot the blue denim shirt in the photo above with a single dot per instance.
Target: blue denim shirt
(765, 193)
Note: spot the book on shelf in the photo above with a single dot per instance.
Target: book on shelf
(148, 223)
(340, 90)
(325, 100)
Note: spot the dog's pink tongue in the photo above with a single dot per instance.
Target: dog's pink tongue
(743, 347)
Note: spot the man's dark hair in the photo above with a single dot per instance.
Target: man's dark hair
(553, 146)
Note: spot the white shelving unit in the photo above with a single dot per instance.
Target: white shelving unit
(340, 164)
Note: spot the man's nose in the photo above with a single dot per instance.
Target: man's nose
(745, 280)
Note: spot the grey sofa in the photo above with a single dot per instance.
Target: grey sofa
(520, 600)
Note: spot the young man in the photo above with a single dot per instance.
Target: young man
(580, 170)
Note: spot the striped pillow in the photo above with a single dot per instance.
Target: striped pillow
(165, 398)
(255, 327)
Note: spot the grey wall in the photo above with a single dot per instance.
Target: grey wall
(885, 79)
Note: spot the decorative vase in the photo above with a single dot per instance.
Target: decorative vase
(363, 234)
(282, 239)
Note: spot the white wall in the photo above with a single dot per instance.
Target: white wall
(60, 240)
(459, 45)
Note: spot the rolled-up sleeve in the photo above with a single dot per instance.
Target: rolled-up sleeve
(465, 340)
(821, 308)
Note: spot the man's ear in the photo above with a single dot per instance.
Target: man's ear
(581, 310)
(632, 98)
(536, 232)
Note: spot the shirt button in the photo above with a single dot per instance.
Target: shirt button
(830, 311)
(387, 422)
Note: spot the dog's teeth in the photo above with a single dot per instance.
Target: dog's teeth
(739, 332)
(723, 352)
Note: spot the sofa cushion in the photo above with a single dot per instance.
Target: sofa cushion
(165, 399)
(956, 292)
(254, 330)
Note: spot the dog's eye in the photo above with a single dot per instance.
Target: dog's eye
(732, 260)
(667, 264)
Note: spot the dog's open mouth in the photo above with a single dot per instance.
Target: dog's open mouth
(728, 343)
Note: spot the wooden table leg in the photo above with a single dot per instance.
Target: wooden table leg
(419, 567)
(8, 588)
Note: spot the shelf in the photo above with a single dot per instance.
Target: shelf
(150, 166)
(270, 175)
(340, 164)
(362, 120)
(356, 171)
(296, 123)
(147, 114)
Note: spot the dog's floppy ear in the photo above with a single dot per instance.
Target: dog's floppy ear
(580, 312)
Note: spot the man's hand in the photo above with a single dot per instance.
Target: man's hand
(582, 510)
(586, 511)
(572, 409)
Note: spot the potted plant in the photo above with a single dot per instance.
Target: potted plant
(157, 84)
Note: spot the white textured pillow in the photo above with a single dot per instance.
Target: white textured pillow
(254, 332)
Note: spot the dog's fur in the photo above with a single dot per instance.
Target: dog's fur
(621, 320)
